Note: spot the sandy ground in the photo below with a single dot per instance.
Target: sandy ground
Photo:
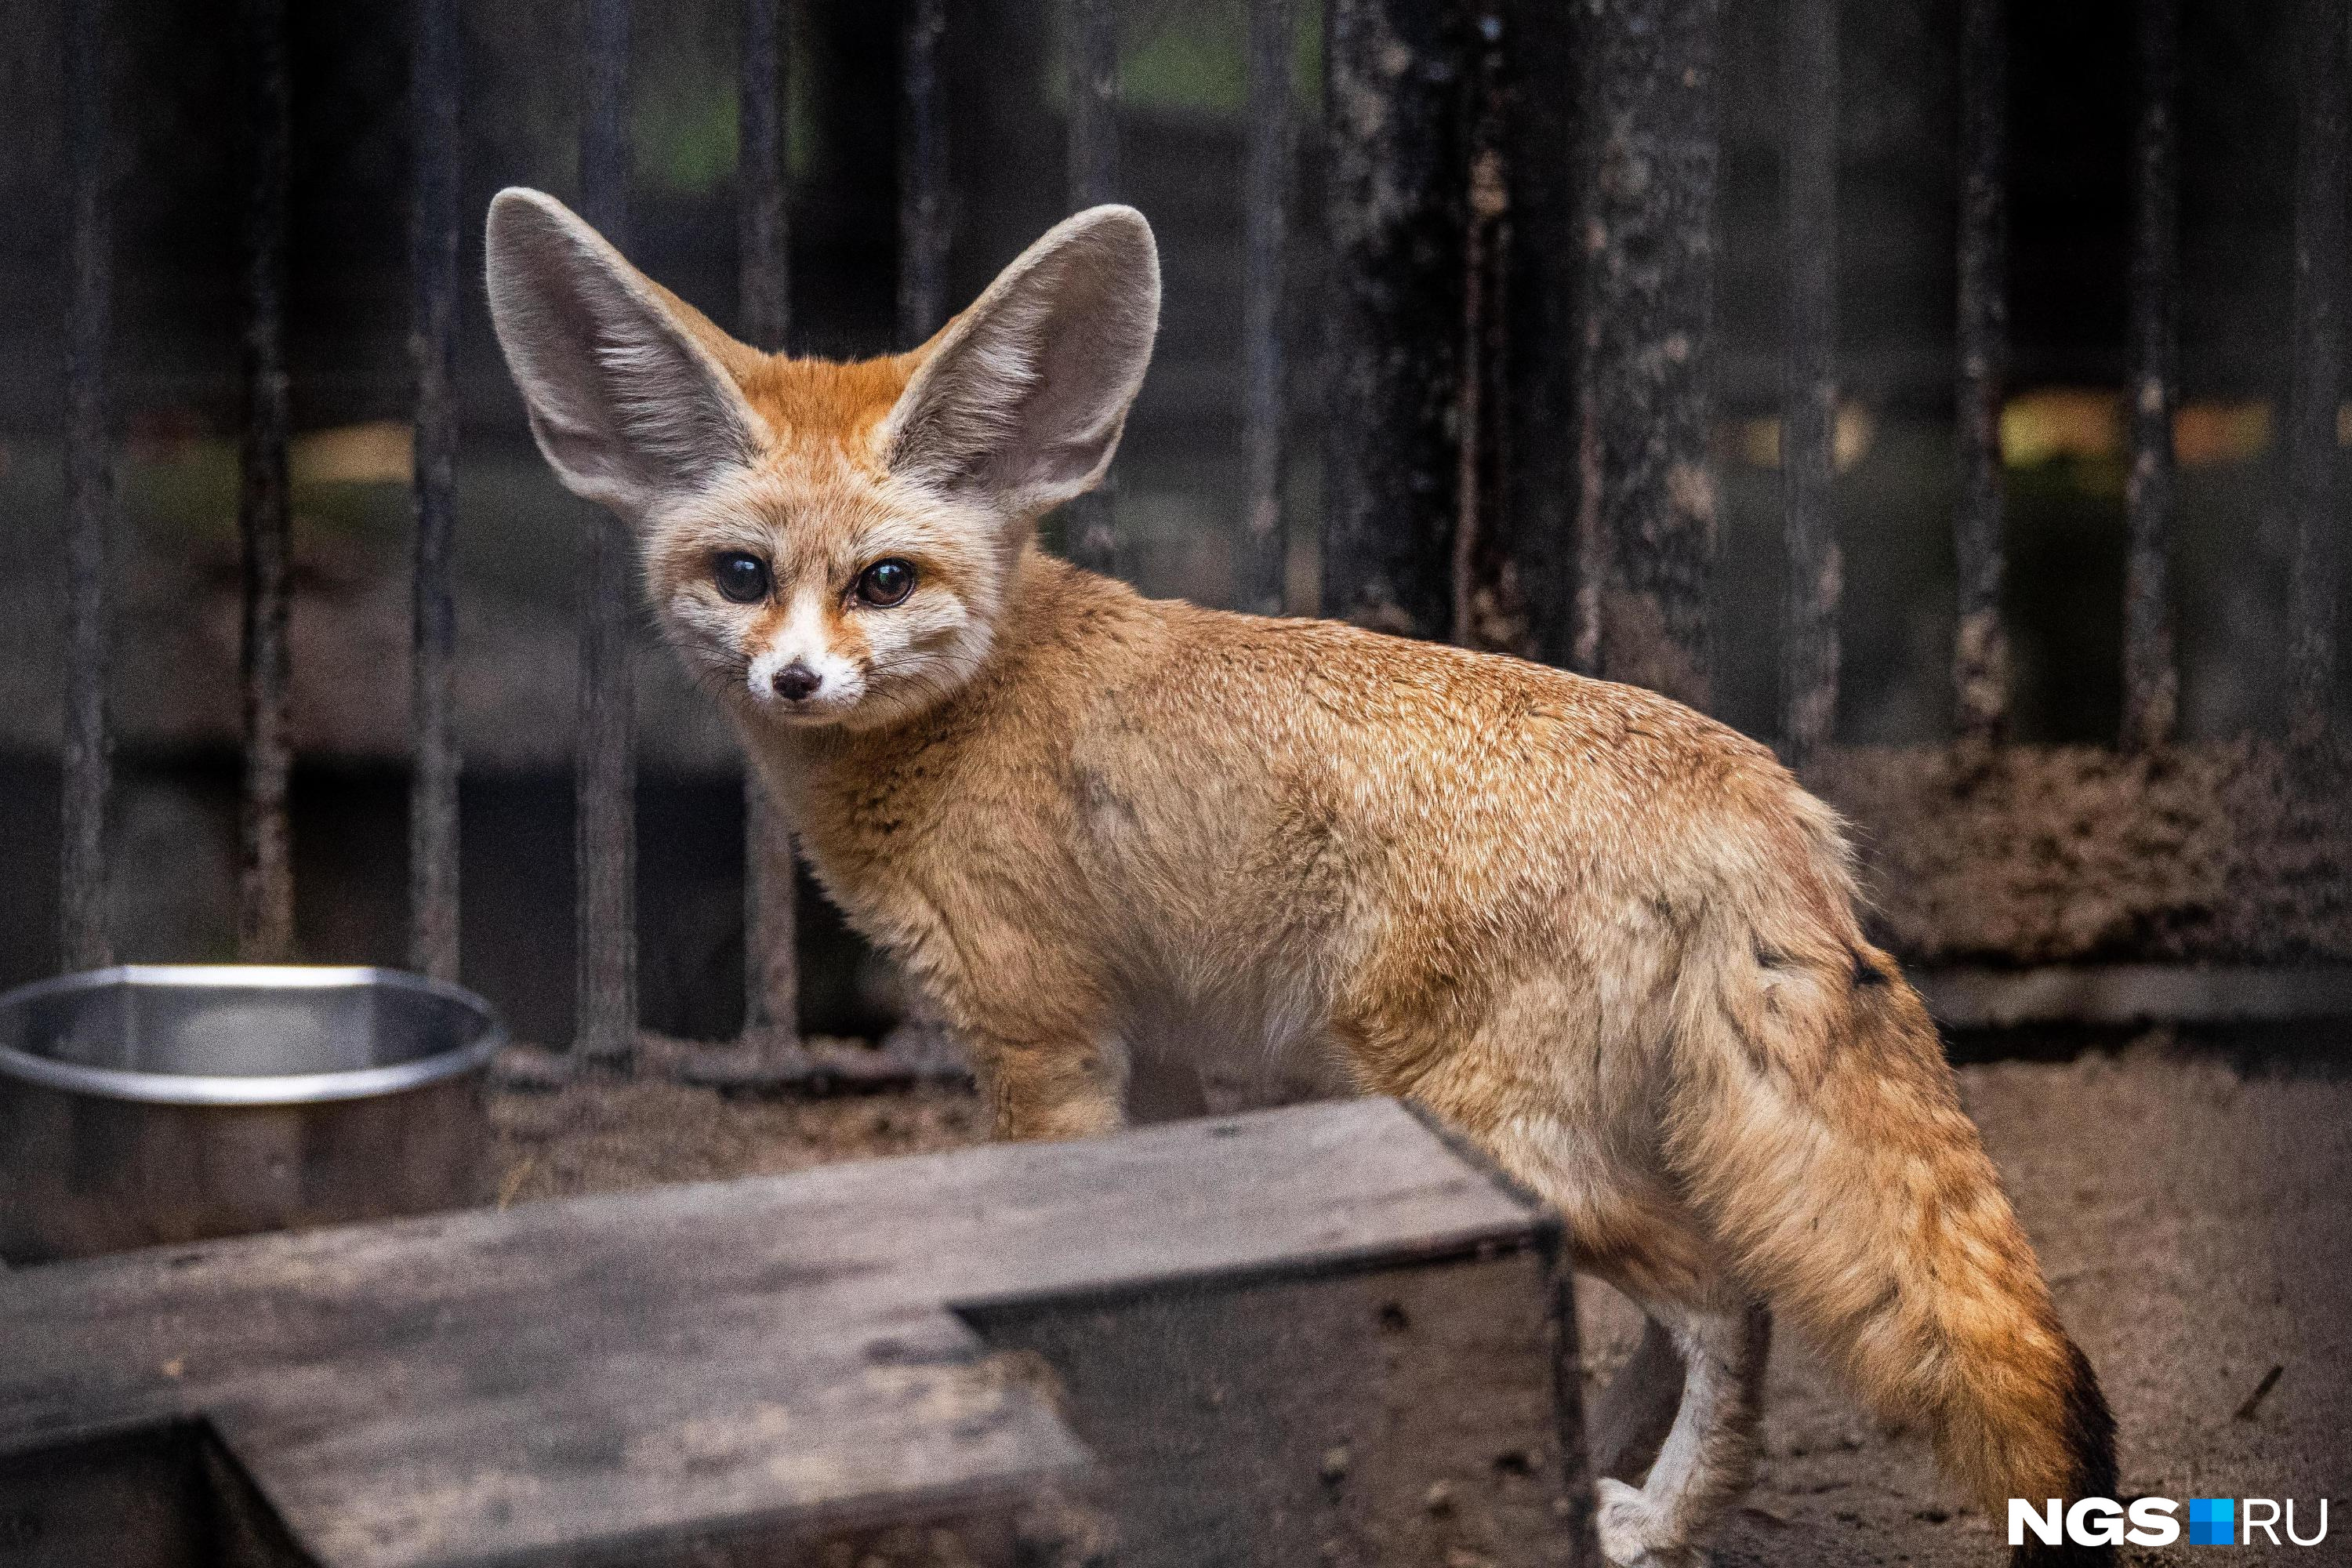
(2194, 1214)
(2196, 1221)
(2034, 854)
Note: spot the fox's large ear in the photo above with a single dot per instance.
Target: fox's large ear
(1022, 399)
(626, 391)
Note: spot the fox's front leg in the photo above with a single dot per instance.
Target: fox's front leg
(1053, 1086)
(1049, 1060)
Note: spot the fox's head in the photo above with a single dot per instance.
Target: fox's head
(827, 543)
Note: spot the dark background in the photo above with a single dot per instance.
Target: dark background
(176, 68)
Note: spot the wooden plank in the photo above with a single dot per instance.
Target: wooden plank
(524, 1445)
(765, 1362)
(1242, 1427)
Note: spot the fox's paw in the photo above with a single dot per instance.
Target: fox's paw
(1632, 1535)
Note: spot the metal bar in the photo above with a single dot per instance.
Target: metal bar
(761, 222)
(604, 150)
(1592, 542)
(922, 175)
(771, 970)
(772, 974)
(2313, 460)
(1592, 554)
(1093, 180)
(1981, 645)
(1648, 170)
(265, 921)
(1574, 1506)
(1094, 105)
(1481, 395)
(1394, 164)
(1540, 273)
(433, 944)
(606, 1021)
(1809, 655)
(1259, 570)
(84, 941)
(2151, 680)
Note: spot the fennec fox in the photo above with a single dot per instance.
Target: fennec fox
(1610, 940)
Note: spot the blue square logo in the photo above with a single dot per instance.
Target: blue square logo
(2212, 1522)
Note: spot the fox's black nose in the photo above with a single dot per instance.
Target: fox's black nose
(797, 681)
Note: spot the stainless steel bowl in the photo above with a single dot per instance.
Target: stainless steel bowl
(164, 1103)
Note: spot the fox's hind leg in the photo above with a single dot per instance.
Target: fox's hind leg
(1709, 1453)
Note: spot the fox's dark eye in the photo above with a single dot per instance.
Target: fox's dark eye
(885, 582)
(742, 578)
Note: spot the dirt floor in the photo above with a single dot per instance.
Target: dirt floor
(2192, 1207)
(2034, 854)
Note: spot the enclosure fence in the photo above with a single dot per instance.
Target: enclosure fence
(1518, 259)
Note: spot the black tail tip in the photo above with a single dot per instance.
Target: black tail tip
(2090, 1433)
(2090, 1429)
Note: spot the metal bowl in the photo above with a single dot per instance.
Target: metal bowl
(164, 1103)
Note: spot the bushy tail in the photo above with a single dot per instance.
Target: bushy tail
(1819, 1133)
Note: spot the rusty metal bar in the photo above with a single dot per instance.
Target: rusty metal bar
(1536, 422)
(1482, 393)
(2151, 680)
(771, 970)
(606, 768)
(2314, 463)
(1809, 649)
(83, 937)
(604, 150)
(1094, 105)
(762, 229)
(772, 974)
(433, 910)
(922, 175)
(1093, 180)
(1980, 645)
(265, 920)
(1648, 500)
(1259, 574)
(1575, 1509)
(1393, 223)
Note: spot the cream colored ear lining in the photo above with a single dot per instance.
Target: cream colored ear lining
(624, 403)
(1068, 410)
